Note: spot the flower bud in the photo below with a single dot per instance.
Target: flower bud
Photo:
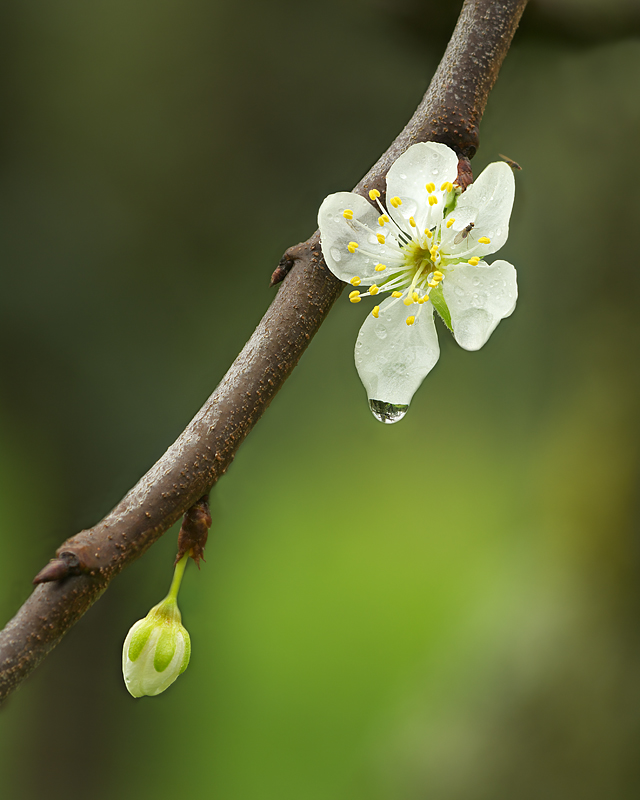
(157, 649)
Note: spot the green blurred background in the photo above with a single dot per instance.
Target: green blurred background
(445, 609)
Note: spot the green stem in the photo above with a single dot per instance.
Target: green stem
(177, 578)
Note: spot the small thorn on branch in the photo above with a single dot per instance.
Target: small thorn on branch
(195, 530)
(66, 565)
(286, 263)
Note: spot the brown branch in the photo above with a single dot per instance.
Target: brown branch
(450, 112)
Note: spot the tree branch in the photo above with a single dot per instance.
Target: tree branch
(450, 112)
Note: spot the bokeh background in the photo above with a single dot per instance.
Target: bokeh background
(444, 609)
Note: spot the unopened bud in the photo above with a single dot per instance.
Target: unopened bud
(157, 648)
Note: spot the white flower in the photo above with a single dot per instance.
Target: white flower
(426, 248)
(157, 649)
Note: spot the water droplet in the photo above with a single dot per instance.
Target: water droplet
(381, 332)
(498, 231)
(403, 176)
(336, 255)
(435, 171)
(366, 351)
(476, 281)
(358, 345)
(459, 291)
(387, 412)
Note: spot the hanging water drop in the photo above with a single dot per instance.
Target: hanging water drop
(336, 255)
(387, 412)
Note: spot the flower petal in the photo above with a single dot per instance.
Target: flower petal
(478, 298)
(393, 358)
(336, 233)
(419, 165)
(487, 203)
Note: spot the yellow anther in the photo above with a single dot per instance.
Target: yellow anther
(410, 320)
(347, 213)
(421, 301)
(447, 186)
(450, 222)
(428, 233)
(352, 247)
(380, 267)
(355, 281)
(408, 301)
(354, 297)
(396, 294)
(434, 251)
(474, 261)
(374, 194)
(412, 222)
(395, 202)
(376, 311)
(484, 240)
(426, 297)
(433, 284)
(380, 238)
(384, 218)
(374, 289)
(433, 200)
(415, 296)
(430, 187)
(438, 275)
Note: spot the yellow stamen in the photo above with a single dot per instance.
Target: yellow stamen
(376, 311)
(352, 247)
(374, 194)
(412, 222)
(374, 289)
(438, 275)
(395, 202)
(447, 186)
(355, 281)
(433, 284)
(347, 213)
(433, 200)
(396, 294)
(474, 261)
(380, 267)
(384, 218)
(415, 296)
(428, 233)
(484, 240)
(426, 297)
(450, 222)
(408, 301)
(410, 320)
(380, 238)
(430, 187)
(354, 297)
(421, 301)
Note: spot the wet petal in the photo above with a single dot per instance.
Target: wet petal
(478, 298)
(490, 198)
(393, 358)
(336, 233)
(421, 164)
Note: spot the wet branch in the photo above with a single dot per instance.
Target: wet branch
(450, 112)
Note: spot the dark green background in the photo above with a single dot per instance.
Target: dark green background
(445, 609)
